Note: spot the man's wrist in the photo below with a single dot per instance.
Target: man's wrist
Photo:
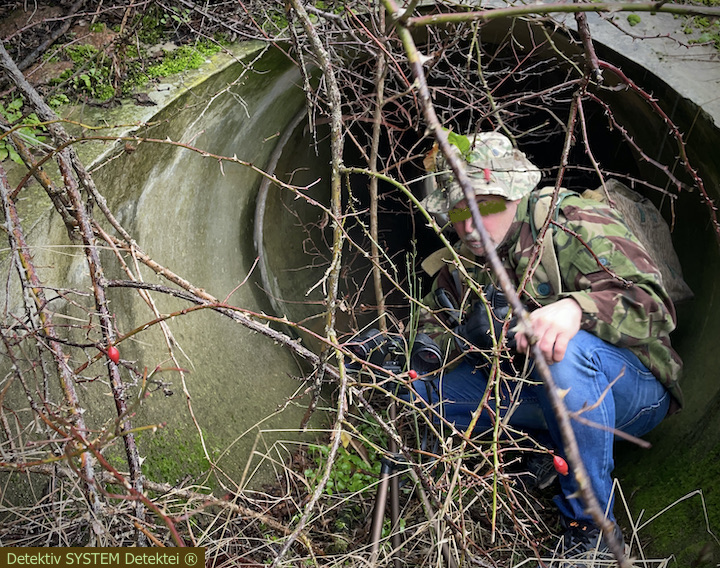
(587, 319)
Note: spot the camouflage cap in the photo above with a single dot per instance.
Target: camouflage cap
(494, 168)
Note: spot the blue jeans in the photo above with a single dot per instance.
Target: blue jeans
(635, 404)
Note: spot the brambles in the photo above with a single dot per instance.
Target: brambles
(478, 77)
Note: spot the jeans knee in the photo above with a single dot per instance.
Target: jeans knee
(647, 417)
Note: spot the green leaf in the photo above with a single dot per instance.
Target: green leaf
(15, 157)
(705, 38)
(460, 141)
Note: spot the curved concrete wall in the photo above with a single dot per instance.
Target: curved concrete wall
(194, 216)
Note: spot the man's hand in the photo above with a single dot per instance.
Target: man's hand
(555, 325)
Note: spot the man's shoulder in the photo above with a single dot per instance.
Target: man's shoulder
(588, 209)
(567, 199)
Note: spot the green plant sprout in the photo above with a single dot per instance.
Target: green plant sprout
(351, 473)
(30, 131)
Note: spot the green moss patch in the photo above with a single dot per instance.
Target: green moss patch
(171, 457)
(681, 489)
(182, 59)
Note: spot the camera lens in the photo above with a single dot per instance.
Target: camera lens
(425, 361)
(426, 356)
(368, 346)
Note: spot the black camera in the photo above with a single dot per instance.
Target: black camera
(425, 356)
(388, 351)
(479, 327)
(377, 348)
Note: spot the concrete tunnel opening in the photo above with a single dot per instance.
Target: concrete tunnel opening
(689, 217)
(402, 229)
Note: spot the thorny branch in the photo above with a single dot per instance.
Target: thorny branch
(388, 89)
(33, 286)
(74, 175)
(574, 8)
(333, 273)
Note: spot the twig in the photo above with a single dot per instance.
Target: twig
(692, 172)
(70, 166)
(558, 406)
(591, 59)
(336, 148)
(28, 275)
(380, 73)
(574, 8)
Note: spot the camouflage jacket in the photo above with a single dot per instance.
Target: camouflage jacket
(597, 261)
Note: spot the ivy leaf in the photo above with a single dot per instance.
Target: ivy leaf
(15, 157)
(705, 38)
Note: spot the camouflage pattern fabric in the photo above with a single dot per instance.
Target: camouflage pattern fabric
(604, 268)
(647, 223)
(493, 166)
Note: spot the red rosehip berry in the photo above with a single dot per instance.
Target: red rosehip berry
(113, 354)
(412, 374)
(561, 465)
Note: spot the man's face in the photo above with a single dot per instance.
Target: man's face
(497, 215)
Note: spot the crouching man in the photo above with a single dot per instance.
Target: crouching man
(597, 306)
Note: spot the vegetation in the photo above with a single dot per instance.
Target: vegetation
(381, 104)
(633, 19)
(108, 72)
(703, 30)
(27, 129)
(351, 471)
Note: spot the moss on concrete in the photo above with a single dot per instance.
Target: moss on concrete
(172, 455)
(681, 489)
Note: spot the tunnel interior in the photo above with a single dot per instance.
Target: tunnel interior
(630, 136)
(622, 136)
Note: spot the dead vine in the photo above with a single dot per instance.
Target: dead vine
(382, 86)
